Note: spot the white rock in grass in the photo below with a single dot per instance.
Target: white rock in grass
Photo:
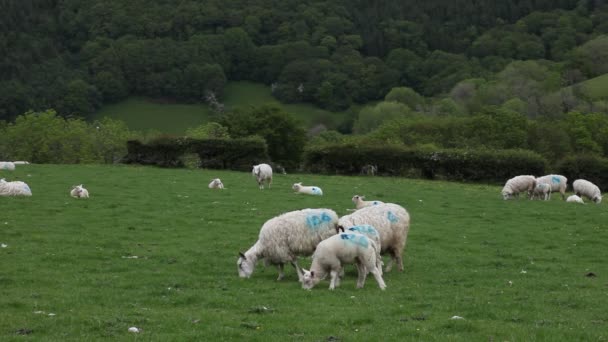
(133, 330)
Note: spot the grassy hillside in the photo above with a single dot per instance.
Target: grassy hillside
(144, 114)
(156, 249)
(597, 88)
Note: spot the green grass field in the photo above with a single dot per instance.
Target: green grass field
(156, 249)
(597, 88)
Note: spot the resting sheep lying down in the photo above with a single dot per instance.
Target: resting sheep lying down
(78, 191)
(15, 188)
(308, 190)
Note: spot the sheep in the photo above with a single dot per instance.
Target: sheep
(21, 162)
(557, 182)
(336, 251)
(7, 165)
(285, 237)
(369, 170)
(216, 184)
(585, 188)
(360, 203)
(391, 221)
(262, 173)
(15, 188)
(309, 190)
(371, 233)
(575, 199)
(542, 190)
(518, 184)
(78, 191)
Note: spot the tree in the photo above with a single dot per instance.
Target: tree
(371, 117)
(210, 130)
(406, 96)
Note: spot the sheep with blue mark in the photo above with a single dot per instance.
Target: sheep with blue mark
(263, 174)
(556, 182)
(308, 190)
(14, 188)
(345, 248)
(284, 238)
(361, 203)
(7, 165)
(371, 233)
(582, 187)
(391, 221)
(542, 191)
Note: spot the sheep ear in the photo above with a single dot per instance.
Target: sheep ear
(312, 274)
(340, 228)
(242, 255)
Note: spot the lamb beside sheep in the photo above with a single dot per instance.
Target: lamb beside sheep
(308, 190)
(7, 165)
(371, 233)
(557, 183)
(542, 191)
(216, 184)
(361, 203)
(78, 191)
(518, 184)
(582, 187)
(391, 221)
(263, 174)
(575, 199)
(15, 188)
(336, 251)
(283, 238)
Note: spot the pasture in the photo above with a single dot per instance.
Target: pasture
(156, 249)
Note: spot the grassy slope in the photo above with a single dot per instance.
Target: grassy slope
(597, 87)
(514, 270)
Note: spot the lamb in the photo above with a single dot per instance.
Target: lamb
(285, 237)
(78, 191)
(262, 173)
(585, 188)
(371, 233)
(391, 221)
(361, 203)
(15, 188)
(7, 165)
(216, 184)
(557, 182)
(542, 190)
(309, 190)
(336, 251)
(575, 199)
(21, 162)
(518, 184)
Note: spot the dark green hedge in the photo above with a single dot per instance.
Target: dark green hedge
(448, 164)
(589, 167)
(233, 154)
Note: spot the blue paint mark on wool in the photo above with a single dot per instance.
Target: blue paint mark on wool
(391, 217)
(375, 202)
(315, 221)
(365, 229)
(555, 180)
(316, 191)
(357, 239)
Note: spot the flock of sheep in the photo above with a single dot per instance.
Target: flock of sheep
(19, 188)
(542, 187)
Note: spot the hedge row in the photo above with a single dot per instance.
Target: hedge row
(232, 154)
(449, 164)
(591, 168)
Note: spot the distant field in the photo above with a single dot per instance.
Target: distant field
(156, 249)
(597, 88)
(143, 114)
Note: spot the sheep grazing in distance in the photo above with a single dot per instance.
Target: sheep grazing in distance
(285, 237)
(542, 191)
(216, 184)
(391, 221)
(21, 162)
(575, 199)
(15, 188)
(78, 191)
(518, 184)
(345, 248)
(361, 203)
(308, 190)
(262, 173)
(7, 165)
(582, 187)
(557, 183)
(369, 170)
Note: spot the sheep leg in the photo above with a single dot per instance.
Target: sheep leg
(334, 276)
(375, 272)
(362, 273)
(389, 264)
(281, 273)
(298, 270)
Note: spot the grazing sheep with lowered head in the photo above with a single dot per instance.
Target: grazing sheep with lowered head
(518, 184)
(15, 188)
(557, 183)
(216, 184)
(78, 191)
(582, 187)
(574, 199)
(361, 203)
(308, 190)
(262, 173)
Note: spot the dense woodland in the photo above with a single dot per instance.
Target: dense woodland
(450, 74)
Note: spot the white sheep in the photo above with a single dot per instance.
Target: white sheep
(336, 251)
(7, 165)
(557, 183)
(21, 162)
(542, 191)
(309, 190)
(78, 191)
(371, 233)
(216, 184)
(575, 199)
(361, 203)
(518, 184)
(285, 237)
(15, 188)
(391, 221)
(582, 187)
(262, 173)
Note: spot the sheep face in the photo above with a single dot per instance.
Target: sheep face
(296, 186)
(309, 280)
(245, 266)
(506, 195)
(597, 199)
(357, 198)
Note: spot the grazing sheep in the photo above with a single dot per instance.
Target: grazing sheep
(557, 182)
(391, 221)
(360, 203)
(262, 173)
(518, 184)
(585, 188)
(283, 238)
(371, 233)
(309, 190)
(7, 165)
(336, 251)
(78, 191)
(575, 199)
(15, 188)
(216, 184)
(20, 162)
(542, 191)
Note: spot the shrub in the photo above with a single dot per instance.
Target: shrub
(589, 167)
